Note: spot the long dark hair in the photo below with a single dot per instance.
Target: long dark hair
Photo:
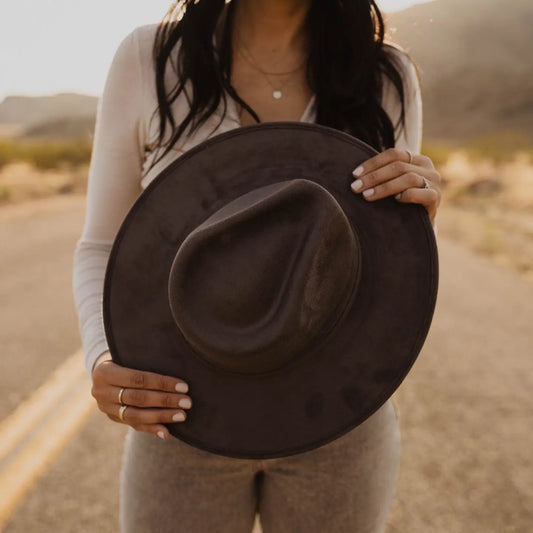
(345, 68)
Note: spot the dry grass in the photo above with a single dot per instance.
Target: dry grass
(45, 155)
(488, 205)
(35, 169)
(22, 181)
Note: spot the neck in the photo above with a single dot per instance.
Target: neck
(272, 26)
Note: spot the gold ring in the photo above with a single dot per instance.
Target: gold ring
(121, 412)
(120, 394)
(410, 156)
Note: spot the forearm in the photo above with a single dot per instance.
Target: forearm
(90, 261)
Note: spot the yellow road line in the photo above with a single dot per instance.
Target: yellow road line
(68, 404)
(31, 411)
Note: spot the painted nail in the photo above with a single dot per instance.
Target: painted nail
(356, 185)
(178, 417)
(182, 387)
(185, 403)
(368, 192)
(358, 171)
(161, 434)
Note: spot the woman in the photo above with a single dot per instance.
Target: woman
(216, 67)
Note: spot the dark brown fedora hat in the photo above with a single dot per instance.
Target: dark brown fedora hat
(292, 307)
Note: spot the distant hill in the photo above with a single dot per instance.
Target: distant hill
(61, 128)
(52, 115)
(476, 62)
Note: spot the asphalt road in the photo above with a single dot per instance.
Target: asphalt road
(465, 409)
(38, 325)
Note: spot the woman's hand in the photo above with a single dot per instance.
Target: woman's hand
(151, 399)
(399, 173)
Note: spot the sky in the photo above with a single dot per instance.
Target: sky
(51, 46)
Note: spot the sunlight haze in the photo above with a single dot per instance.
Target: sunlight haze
(51, 46)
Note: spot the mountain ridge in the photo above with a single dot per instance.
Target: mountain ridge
(474, 73)
(33, 110)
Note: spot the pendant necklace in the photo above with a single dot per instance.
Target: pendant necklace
(276, 91)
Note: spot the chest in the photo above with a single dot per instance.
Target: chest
(258, 91)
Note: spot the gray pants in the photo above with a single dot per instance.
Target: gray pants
(344, 486)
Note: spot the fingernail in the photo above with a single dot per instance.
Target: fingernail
(358, 171)
(356, 185)
(398, 196)
(178, 417)
(182, 387)
(161, 434)
(185, 403)
(368, 192)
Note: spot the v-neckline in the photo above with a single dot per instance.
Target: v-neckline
(232, 107)
(235, 116)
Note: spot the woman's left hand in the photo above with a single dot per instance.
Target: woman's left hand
(410, 178)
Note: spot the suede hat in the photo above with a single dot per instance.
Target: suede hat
(291, 306)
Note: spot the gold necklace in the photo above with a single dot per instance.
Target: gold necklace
(276, 91)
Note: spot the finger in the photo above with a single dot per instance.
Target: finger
(411, 174)
(142, 397)
(136, 417)
(382, 159)
(393, 186)
(411, 180)
(425, 197)
(155, 429)
(389, 156)
(120, 376)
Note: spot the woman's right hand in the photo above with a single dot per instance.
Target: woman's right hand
(152, 399)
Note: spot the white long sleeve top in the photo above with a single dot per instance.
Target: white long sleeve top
(120, 165)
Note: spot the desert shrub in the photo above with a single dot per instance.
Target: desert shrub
(499, 146)
(438, 153)
(5, 193)
(46, 155)
(9, 152)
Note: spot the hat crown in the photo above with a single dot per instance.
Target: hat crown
(265, 278)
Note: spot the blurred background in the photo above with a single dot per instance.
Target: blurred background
(465, 409)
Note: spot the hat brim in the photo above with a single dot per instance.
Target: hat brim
(323, 394)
